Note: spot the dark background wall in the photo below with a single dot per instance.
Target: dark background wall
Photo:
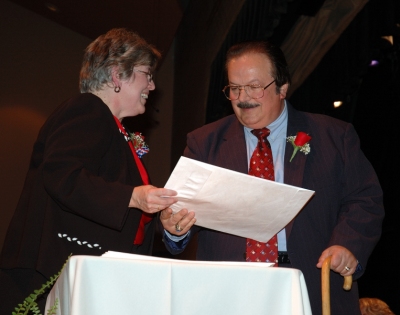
(39, 64)
(40, 61)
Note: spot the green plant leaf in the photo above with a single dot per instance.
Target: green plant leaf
(30, 306)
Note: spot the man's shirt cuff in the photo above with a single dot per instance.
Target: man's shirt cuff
(176, 243)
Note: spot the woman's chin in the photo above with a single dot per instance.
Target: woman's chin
(141, 110)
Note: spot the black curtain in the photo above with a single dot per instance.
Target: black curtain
(258, 20)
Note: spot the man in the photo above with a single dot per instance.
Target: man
(342, 220)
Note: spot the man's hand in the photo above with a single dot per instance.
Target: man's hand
(178, 223)
(342, 261)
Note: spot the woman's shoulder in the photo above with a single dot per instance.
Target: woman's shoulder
(85, 106)
(84, 112)
(85, 103)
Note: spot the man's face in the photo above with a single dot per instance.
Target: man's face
(255, 69)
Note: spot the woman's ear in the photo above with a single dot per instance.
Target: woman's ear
(115, 77)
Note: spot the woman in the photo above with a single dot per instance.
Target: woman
(86, 191)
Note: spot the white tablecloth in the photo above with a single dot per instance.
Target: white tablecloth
(99, 285)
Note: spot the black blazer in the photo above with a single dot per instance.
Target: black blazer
(346, 210)
(76, 193)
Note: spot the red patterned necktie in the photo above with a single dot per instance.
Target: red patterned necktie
(261, 165)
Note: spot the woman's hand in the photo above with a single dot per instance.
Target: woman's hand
(178, 223)
(151, 199)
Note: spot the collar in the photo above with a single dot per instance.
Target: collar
(276, 126)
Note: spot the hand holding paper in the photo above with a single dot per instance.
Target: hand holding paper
(178, 223)
(233, 202)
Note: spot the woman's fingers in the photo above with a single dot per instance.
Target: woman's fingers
(151, 199)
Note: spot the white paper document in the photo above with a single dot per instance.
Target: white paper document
(233, 202)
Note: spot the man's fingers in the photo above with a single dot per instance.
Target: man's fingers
(166, 214)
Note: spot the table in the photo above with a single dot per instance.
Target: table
(134, 284)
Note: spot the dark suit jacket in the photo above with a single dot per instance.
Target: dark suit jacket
(77, 190)
(346, 210)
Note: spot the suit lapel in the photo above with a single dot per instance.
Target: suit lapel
(294, 171)
(234, 148)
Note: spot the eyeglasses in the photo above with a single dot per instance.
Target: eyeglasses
(232, 92)
(149, 75)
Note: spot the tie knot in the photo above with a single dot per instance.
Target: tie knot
(261, 133)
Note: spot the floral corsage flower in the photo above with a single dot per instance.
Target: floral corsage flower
(300, 142)
(138, 143)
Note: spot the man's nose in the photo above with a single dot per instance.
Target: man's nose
(242, 94)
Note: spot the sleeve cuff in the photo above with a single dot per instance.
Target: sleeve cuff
(174, 237)
(358, 268)
(176, 243)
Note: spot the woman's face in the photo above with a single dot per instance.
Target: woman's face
(134, 92)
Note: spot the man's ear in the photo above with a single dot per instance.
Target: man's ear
(283, 90)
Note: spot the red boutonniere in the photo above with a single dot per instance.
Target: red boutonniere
(300, 141)
(138, 143)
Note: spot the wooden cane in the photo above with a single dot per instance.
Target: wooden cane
(325, 288)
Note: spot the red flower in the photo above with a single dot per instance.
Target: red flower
(301, 139)
(300, 142)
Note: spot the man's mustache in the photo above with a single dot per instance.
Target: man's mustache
(247, 105)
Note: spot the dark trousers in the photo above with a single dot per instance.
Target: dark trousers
(16, 285)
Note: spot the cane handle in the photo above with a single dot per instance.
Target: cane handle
(325, 288)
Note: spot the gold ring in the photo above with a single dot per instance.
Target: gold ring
(178, 227)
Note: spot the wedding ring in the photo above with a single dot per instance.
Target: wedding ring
(347, 268)
(178, 227)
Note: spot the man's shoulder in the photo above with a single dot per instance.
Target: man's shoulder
(317, 121)
(218, 126)
(314, 116)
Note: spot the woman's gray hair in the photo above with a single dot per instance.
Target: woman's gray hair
(120, 48)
